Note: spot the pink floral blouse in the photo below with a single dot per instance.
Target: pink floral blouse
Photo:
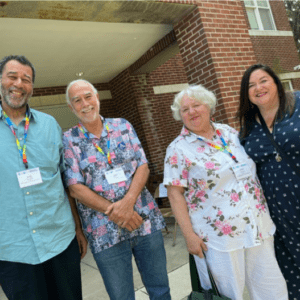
(228, 214)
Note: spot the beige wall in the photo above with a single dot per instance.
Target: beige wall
(55, 105)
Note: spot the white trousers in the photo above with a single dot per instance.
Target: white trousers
(256, 267)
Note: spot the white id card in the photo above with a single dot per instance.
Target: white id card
(241, 171)
(115, 175)
(29, 177)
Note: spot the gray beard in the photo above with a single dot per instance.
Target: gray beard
(6, 99)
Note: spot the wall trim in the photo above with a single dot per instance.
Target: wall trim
(291, 75)
(270, 33)
(170, 88)
(49, 100)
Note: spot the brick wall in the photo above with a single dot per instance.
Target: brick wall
(179, 1)
(133, 98)
(150, 114)
(58, 90)
(163, 43)
(278, 12)
(159, 126)
(278, 52)
(296, 84)
(279, 15)
(216, 50)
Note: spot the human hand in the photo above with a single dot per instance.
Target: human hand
(82, 242)
(195, 245)
(124, 216)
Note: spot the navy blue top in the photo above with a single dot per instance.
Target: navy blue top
(281, 186)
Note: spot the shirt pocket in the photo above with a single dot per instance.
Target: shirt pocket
(124, 151)
(48, 158)
(93, 171)
(91, 165)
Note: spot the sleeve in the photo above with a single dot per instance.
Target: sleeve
(136, 145)
(72, 173)
(175, 171)
(62, 166)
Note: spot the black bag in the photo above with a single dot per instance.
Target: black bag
(198, 292)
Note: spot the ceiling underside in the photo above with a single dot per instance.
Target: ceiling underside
(98, 38)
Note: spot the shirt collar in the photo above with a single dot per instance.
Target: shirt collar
(104, 131)
(31, 113)
(191, 137)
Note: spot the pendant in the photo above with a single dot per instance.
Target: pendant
(278, 157)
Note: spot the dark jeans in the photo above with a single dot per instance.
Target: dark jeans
(58, 278)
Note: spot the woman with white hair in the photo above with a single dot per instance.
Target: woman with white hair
(219, 204)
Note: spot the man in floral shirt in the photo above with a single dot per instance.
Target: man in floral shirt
(106, 172)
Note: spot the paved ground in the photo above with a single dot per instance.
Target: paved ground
(177, 266)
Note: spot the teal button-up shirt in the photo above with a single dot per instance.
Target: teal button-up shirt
(36, 222)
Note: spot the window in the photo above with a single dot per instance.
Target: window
(259, 15)
(287, 84)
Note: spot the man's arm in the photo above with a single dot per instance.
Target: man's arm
(91, 199)
(82, 242)
(88, 197)
(123, 210)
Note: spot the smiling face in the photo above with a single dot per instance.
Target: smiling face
(263, 90)
(16, 85)
(195, 115)
(84, 102)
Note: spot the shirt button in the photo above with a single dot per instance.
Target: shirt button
(33, 231)
(31, 213)
(27, 193)
(21, 139)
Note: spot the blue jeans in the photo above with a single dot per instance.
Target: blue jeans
(115, 266)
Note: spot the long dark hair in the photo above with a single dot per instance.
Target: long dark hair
(247, 110)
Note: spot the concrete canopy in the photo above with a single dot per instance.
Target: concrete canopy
(98, 38)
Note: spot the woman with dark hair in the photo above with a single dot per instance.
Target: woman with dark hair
(270, 126)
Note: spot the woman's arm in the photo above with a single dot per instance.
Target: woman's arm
(195, 245)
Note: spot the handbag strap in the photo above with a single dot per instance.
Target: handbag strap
(282, 153)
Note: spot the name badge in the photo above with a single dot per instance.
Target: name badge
(115, 175)
(241, 171)
(29, 177)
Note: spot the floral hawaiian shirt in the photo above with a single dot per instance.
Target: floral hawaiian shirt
(86, 165)
(228, 214)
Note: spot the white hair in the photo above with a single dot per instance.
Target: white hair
(197, 92)
(75, 81)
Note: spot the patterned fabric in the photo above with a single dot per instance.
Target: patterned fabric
(282, 189)
(86, 165)
(226, 213)
(36, 222)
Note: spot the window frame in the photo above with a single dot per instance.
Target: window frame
(289, 81)
(256, 8)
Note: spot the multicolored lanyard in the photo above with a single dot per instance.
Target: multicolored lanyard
(225, 149)
(22, 151)
(99, 148)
